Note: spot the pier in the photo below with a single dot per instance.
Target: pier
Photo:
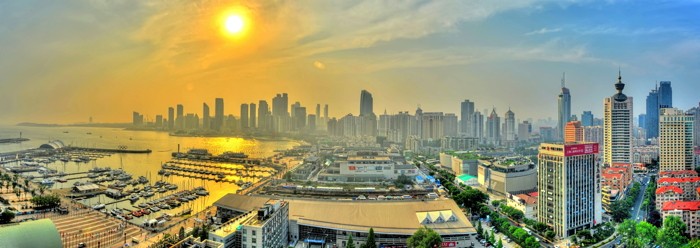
(13, 140)
(111, 150)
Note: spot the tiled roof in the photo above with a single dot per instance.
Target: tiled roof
(681, 205)
(665, 189)
(678, 180)
(675, 173)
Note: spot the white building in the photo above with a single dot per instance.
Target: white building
(675, 140)
(262, 227)
(569, 197)
(618, 124)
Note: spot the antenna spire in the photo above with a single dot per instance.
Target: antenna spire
(563, 80)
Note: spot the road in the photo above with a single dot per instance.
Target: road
(636, 212)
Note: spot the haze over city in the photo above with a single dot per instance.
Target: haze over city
(63, 62)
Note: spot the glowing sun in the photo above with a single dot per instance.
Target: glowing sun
(234, 24)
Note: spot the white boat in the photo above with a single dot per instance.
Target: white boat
(98, 206)
(47, 182)
(134, 197)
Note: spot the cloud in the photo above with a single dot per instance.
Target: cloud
(544, 31)
(319, 65)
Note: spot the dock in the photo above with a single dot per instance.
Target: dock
(13, 140)
(111, 150)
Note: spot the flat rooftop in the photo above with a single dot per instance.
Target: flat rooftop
(241, 203)
(369, 158)
(387, 217)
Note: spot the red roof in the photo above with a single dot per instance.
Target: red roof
(620, 164)
(681, 205)
(534, 194)
(617, 170)
(665, 189)
(678, 180)
(698, 190)
(680, 172)
(612, 175)
(527, 198)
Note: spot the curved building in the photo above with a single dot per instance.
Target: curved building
(39, 233)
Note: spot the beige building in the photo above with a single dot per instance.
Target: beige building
(675, 140)
(688, 212)
(507, 175)
(618, 125)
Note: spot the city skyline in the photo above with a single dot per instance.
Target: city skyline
(115, 60)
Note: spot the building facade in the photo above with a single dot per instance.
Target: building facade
(618, 124)
(675, 140)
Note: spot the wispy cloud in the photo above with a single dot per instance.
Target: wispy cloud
(544, 31)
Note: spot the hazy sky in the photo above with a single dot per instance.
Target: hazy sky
(63, 61)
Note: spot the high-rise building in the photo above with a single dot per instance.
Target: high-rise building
(325, 111)
(665, 95)
(493, 129)
(180, 119)
(696, 126)
(366, 103)
(467, 113)
(299, 117)
(317, 116)
(478, 125)
(587, 119)
(593, 134)
(253, 116)
(564, 101)
(676, 140)
(264, 117)
(311, 122)
(280, 105)
(451, 123)
(171, 118)
(642, 121)
(618, 126)
(568, 182)
(651, 124)
(573, 132)
(433, 125)
(191, 121)
(509, 125)
(137, 119)
(524, 131)
(159, 121)
(218, 114)
(244, 116)
(206, 119)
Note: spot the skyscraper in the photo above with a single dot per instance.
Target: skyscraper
(696, 126)
(573, 132)
(280, 105)
(652, 118)
(618, 126)
(493, 129)
(206, 119)
(253, 116)
(676, 140)
(587, 119)
(524, 131)
(451, 125)
(569, 187)
(478, 125)
(366, 103)
(564, 107)
(433, 126)
(665, 95)
(325, 111)
(509, 125)
(219, 114)
(264, 117)
(244, 116)
(317, 116)
(171, 118)
(466, 113)
(180, 119)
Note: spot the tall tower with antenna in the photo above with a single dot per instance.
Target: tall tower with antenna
(564, 104)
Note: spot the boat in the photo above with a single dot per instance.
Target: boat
(142, 180)
(162, 190)
(202, 192)
(134, 197)
(65, 131)
(92, 175)
(47, 182)
(61, 180)
(171, 187)
(148, 194)
(154, 209)
(98, 206)
(88, 133)
(143, 205)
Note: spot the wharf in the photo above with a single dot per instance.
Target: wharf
(13, 140)
(111, 150)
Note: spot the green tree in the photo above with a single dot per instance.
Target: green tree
(351, 244)
(424, 237)
(182, 233)
(672, 234)
(370, 243)
(694, 243)
(500, 243)
(520, 235)
(491, 238)
(204, 233)
(550, 234)
(479, 229)
(6, 216)
(627, 229)
(645, 233)
(530, 242)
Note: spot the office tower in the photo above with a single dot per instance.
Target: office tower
(675, 140)
(451, 125)
(218, 114)
(206, 118)
(573, 132)
(311, 122)
(280, 105)
(366, 103)
(493, 129)
(696, 126)
(524, 130)
(652, 118)
(253, 116)
(478, 125)
(325, 111)
(467, 113)
(564, 107)
(433, 126)
(587, 119)
(244, 116)
(159, 121)
(171, 118)
(665, 95)
(180, 119)
(416, 124)
(137, 119)
(299, 115)
(547, 134)
(618, 126)
(568, 181)
(641, 122)
(264, 118)
(509, 126)
(191, 121)
(318, 113)
(384, 124)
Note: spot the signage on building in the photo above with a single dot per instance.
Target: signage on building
(580, 149)
(351, 167)
(449, 244)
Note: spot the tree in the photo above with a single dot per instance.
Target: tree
(550, 234)
(479, 229)
(627, 229)
(370, 243)
(645, 233)
(351, 244)
(695, 243)
(500, 243)
(520, 235)
(424, 237)
(492, 238)
(182, 233)
(672, 234)
(204, 233)
(530, 242)
(6, 216)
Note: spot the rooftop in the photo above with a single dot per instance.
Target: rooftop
(676, 173)
(681, 205)
(665, 189)
(365, 158)
(395, 217)
(38, 233)
(678, 180)
(241, 203)
(465, 177)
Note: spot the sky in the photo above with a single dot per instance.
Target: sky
(64, 61)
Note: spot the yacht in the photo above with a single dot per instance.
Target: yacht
(98, 206)
(47, 182)
(134, 197)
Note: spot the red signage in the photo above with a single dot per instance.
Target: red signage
(449, 244)
(580, 149)
(351, 167)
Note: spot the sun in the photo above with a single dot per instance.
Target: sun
(234, 24)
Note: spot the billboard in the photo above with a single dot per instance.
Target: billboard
(449, 244)
(580, 149)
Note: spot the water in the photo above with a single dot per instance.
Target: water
(137, 165)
